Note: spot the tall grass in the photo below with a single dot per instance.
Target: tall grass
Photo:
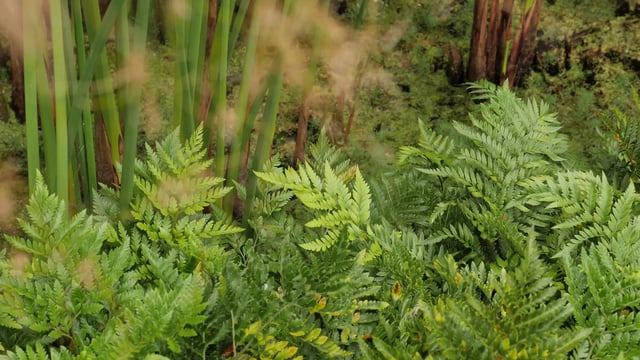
(83, 104)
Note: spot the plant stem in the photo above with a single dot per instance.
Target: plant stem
(224, 23)
(132, 108)
(60, 92)
(265, 137)
(241, 138)
(104, 84)
(30, 56)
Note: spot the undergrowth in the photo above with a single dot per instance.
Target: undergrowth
(483, 244)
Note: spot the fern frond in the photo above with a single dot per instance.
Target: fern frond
(521, 311)
(603, 286)
(340, 209)
(437, 149)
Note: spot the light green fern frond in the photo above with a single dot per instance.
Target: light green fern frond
(590, 208)
(174, 191)
(343, 210)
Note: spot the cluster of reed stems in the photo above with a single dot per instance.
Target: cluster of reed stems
(85, 68)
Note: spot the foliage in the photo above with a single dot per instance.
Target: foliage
(495, 313)
(513, 142)
(621, 134)
(63, 289)
(508, 254)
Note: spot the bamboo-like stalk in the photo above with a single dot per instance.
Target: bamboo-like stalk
(122, 39)
(78, 186)
(60, 96)
(265, 137)
(242, 133)
(81, 93)
(88, 163)
(30, 60)
(238, 20)
(104, 83)
(183, 101)
(132, 107)
(195, 45)
(45, 106)
(224, 22)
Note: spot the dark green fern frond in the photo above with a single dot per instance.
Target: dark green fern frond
(404, 198)
(604, 289)
(521, 317)
(482, 173)
(621, 135)
(437, 149)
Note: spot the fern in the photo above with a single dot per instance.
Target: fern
(513, 142)
(621, 135)
(604, 289)
(173, 193)
(521, 315)
(343, 211)
(589, 208)
(63, 287)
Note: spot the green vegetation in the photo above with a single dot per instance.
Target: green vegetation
(424, 220)
(509, 252)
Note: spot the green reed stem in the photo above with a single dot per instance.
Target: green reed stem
(241, 138)
(195, 44)
(265, 137)
(60, 96)
(238, 20)
(88, 164)
(184, 88)
(224, 20)
(45, 104)
(104, 83)
(132, 107)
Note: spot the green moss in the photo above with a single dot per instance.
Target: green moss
(12, 143)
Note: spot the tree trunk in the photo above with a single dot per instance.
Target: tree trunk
(491, 50)
(504, 35)
(492, 55)
(528, 45)
(477, 60)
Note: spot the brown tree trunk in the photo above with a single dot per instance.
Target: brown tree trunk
(504, 35)
(491, 50)
(477, 61)
(528, 44)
